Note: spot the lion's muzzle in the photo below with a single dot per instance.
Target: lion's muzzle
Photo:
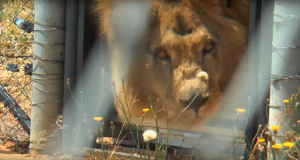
(194, 102)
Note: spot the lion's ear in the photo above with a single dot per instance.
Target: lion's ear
(238, 10)
(103, 9)
(122, 14)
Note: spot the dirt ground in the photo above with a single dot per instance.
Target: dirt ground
(6, 153)
(9, 152)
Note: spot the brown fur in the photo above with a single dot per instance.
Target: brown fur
(209, 20)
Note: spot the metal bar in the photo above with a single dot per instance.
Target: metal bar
(70, 70)
(80, 43)
(10, 103)
(265, 57)
(251, 125)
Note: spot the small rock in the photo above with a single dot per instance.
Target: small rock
(12, 67)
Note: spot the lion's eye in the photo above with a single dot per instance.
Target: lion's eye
(162, 54)
(209, 46)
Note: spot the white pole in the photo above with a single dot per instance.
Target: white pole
(47, 74)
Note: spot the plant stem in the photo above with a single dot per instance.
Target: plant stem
(167, 138)
(148, 150)
(287, 116)
(122, 81)
(157, 130)
(233, 148)
(255, 137)
(126, 118)
(169, 131)
(91, 148)
(101, 140)
(137, 133)
(78, 104)
(101, 90)
(274, 154)
(234, 127)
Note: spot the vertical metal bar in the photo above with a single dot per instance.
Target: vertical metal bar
(80, 43)
(76, 143)
(70, 70)
(251, 126)
(265, 57)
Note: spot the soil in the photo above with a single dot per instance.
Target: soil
(8, 151)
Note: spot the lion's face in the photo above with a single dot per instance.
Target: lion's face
(183, 56)
(188, 56)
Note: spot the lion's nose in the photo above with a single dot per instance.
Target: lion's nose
(195, 102)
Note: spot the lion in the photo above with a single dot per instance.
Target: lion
(181, 63)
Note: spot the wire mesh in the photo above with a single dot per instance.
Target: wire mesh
(16, 57)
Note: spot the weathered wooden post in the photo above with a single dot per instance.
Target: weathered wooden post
(285, 61)
(47, 74)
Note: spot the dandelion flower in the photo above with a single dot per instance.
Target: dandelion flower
(104, 140)
(149, 135)
(98, 119)
(276, 146)
(288, 144)
(275, 128)
(298, 121)
(286, 101)
(145, 110)
(240, 110)
(261, 140)
(203, 75)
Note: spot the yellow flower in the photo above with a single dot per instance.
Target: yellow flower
(276, 146)
(145, 110)
(241, 110)
(261, 140)
(286, 101)
(288, 144)
(98, 119)
(298, 121)
(275, 128)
